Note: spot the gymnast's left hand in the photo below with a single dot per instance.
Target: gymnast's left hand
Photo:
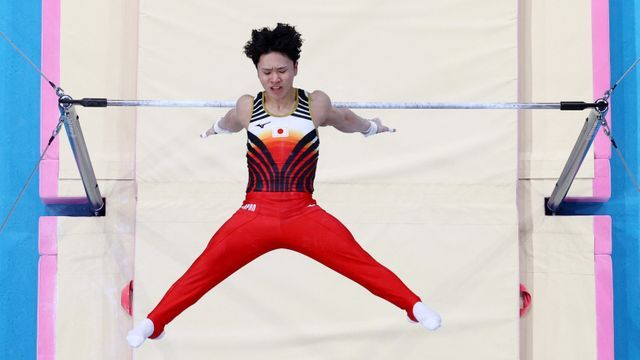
(381, 127)
(207, 133)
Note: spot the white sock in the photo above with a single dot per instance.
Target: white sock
(426, 316)
(140, 333)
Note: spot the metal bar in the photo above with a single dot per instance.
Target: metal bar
(445, 106)
(101, 102)
(351, 105)
(81, 155)
(600, 104)
(172, 103)
(580, 149)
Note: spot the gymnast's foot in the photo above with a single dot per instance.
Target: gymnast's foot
(426, 316)
(141, 332)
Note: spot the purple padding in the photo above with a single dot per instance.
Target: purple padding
(604, 286)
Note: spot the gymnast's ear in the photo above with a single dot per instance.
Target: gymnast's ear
(295, 68)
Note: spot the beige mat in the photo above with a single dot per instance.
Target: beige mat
(435, 202)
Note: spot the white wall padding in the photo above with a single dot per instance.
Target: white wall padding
(435, 202)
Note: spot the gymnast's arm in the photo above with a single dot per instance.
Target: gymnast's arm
(345, 120)
(234, 120)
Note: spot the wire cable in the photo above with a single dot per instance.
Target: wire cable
(624, 75)
(26, 58)
(55, 133)
(607, 129)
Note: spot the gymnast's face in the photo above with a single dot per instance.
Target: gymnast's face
(276, 72)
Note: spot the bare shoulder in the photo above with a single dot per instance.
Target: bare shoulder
(318, 94)
(244, 107)
(320, 107)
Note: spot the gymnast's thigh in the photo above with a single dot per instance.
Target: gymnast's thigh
(244, 237)
(320, 235)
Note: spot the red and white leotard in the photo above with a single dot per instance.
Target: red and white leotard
(282, 151)
(279, 213)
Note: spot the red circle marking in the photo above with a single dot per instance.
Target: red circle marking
(280, 131)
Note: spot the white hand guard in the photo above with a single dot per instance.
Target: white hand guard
(372, 130)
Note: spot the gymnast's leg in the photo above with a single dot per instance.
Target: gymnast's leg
(239, 241)
(322, 237)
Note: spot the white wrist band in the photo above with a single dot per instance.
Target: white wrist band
(218, 130)
(372, 130)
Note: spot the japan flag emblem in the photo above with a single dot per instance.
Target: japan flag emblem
(280, 132)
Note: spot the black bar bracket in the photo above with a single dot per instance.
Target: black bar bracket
(601, 105)
(86, 102)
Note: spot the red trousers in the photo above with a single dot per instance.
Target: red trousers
(273, 220)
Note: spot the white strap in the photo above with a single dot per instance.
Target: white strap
(218, 130)
(372, 130)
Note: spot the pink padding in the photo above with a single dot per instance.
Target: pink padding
(46, 340)
(602, 144)
(602, 184)
(604, 286)
(602, 180)
(49, 113)
(602, 235)
(49, 181)
(48, 235)
(604, 307)
(601, 83)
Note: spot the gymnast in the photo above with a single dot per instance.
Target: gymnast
(279, 210)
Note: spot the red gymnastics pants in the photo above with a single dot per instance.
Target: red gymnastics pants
(273, 220)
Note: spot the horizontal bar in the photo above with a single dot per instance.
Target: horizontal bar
(565, 105)
(445, 106)
(173, 103)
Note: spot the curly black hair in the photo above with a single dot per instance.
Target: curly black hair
(283, 39)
